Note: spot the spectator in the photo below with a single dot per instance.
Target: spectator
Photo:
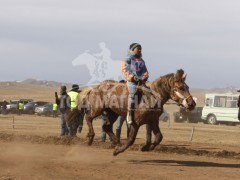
(73, 94)
(20, 107)
(238, 107)
(104, 121)
(63, 103)
(55, 109)
(4, 107)
(119, 123)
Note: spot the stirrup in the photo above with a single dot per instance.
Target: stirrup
(129, 118)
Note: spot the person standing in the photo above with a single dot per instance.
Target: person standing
(134, 70)
(238, 107)
(20, 107)
(4, 107)
(104, 121)
(55, 109)
(119, 124)
(73, 94)
(63, 105)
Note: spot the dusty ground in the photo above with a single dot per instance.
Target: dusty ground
(32, 149)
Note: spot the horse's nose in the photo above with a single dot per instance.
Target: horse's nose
(191, 105)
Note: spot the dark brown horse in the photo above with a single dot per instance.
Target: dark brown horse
(111, 96)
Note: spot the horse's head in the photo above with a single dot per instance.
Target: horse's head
(180, 91)
(83, 59)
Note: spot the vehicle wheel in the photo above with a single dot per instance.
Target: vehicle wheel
(212, 120)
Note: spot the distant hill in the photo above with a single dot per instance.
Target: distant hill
(43, 83)
(54, 84)
(34, 82)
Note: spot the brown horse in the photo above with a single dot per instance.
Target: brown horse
(111, 96)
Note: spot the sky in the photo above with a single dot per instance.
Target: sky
(40, 39)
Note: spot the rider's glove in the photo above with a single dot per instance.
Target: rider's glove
(135, 78)
(144, 78)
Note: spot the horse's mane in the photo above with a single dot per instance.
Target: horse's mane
(162, 85)
(167, 75)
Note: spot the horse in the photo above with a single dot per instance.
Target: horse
(99, 68)
(111, 96)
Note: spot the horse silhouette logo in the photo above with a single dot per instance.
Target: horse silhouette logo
(100, 66)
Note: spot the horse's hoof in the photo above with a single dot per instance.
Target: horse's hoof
(113, 145)
(152, 147)
(146, 147)
(115, 152)
(90, 141)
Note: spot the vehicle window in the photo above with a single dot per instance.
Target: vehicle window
(47, 105)
(220, 101)
(231, 104)
(41, 103)
(30, 103)
(209, 102)
(13, 102)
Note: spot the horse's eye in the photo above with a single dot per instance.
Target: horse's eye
(181, 88)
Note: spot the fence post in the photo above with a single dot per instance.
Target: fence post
(13, 121)
(193, 129)
(169, 123)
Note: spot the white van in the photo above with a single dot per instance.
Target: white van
(220, 108)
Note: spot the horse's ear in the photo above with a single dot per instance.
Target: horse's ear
(179, 74)
(184, 76)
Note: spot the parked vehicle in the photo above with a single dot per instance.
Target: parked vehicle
(30, 107)
(12, 107)
(220, 108)
(164, 116)
(193, 116)
(46, 110)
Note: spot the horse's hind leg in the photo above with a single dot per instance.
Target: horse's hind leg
(91, 132)
(111, 118)
(132, 136)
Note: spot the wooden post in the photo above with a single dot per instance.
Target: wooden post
(193, 129)
(13, 122)
(169, 122)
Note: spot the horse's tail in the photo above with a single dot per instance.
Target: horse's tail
(82, 107)
(83, 98)
(74, 116)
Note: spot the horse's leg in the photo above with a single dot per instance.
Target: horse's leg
(158, 135)
(132, 136)
(147, 146)
(91, 132)
(108, 127)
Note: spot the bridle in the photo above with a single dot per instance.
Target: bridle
(183, 99)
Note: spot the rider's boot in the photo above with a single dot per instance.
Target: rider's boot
(130, 110)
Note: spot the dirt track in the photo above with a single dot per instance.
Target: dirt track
(35, 152)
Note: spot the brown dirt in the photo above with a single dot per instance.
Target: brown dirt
(32, 151)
